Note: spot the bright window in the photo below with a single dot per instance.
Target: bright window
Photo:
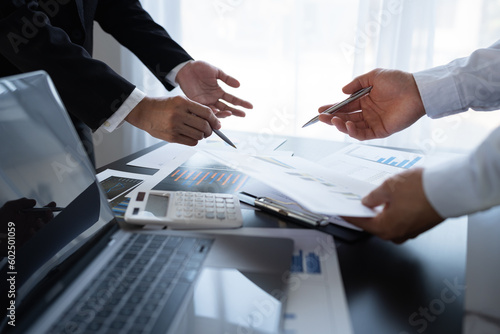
(292, 56)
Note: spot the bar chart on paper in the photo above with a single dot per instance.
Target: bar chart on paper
(400, 159)
(371, 164)
(204, 175)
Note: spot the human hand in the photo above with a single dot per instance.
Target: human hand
(199, 81)
(27, 223)
(175, 119)
(393, 104)
(406, 212)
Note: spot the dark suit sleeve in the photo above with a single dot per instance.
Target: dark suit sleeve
(134, 28)
(90, 90)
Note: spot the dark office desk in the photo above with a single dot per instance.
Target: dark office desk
(416, 287)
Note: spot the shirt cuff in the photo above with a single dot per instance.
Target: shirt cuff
(447, 186)
(172, 75)
(117, 119)
(438, 91)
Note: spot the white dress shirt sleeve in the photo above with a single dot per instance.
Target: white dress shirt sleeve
(172, 75)
(117, 119)
(471, 183)
(468, 184)
(471, 82)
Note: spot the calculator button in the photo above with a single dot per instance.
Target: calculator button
(221, 215)
(210, 215)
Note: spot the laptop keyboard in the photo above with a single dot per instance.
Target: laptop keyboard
(145, 283)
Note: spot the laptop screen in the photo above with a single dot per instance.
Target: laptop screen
(50, 201)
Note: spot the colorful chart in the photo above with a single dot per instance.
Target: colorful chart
(308, 263)
(205, 175)
(402, 160)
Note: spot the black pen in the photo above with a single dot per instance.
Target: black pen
(44, 209)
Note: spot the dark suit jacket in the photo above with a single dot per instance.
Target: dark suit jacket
(56, 36)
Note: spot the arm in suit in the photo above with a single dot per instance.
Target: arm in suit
(58, 40)
(134, 28)
(29, 41)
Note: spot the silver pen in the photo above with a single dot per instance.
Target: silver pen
(360, 93)
(223, 137)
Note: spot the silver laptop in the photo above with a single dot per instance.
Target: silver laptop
(67, 266)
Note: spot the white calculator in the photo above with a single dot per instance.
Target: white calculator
(185, 210)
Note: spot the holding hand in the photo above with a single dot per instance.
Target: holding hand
(176, 119)
(406, 212)
(393, 104)
(199, 81)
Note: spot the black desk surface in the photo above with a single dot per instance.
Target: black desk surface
(416, 287)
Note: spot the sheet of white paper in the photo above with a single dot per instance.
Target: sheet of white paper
(162, 156)
(246, 143)
(167, 168)
(315, 187)
(371, 164)
(286, 201)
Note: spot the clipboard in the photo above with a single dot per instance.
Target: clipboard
(301, 217)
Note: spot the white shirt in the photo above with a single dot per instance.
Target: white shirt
(117, 119)
(472, 183)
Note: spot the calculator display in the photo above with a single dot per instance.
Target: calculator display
(157, 205)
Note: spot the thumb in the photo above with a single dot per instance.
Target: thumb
(359, 82)
(204, 112)
(227, 79)
(377, 197)
(352, 86)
